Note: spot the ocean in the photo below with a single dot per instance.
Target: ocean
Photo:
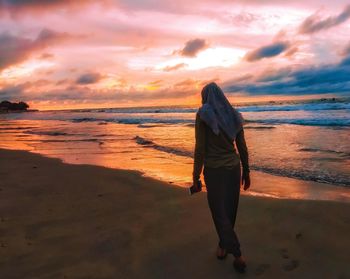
(303, 140)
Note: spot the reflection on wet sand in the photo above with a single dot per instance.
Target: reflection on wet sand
(165, 152)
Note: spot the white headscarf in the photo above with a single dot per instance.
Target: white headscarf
(218, 113)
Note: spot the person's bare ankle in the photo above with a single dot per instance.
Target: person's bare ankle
(221, 253)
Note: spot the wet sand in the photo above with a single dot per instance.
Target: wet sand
(78, 221)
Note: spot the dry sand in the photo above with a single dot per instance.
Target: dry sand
(78, 221)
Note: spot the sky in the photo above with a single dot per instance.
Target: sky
(115, 53)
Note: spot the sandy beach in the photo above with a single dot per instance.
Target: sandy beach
(109, 110)
(79, 221)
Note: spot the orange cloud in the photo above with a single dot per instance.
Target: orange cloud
(175, 67)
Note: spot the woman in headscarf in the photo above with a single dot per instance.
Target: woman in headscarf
(218, 127)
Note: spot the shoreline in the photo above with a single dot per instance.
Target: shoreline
(140, 140)
(263, 184)
(76, 221)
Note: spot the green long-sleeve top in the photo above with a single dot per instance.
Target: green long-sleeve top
(217, 151)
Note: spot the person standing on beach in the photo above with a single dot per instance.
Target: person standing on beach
(218, 126)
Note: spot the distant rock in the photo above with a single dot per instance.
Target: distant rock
(6, 106)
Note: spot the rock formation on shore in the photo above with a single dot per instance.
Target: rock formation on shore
(6, 106)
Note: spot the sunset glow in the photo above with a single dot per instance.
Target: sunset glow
(73, 54)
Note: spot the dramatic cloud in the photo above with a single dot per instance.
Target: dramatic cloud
(18, 92)
(46, 56)
(192, 47)
(186, 83)
(244, 18)
(267, 51)
(21, 3)
(291, 51)
(273, 75)
(174, 68)
(314, 24)
(11, 92)
(184, 6)
(156, 82)
(151, 52)
(16, 6)
(324, 79)
(14, 50)
(89, 78)
(78, 94)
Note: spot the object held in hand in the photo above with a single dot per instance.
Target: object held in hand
(193, 189)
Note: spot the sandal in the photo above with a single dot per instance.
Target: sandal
(221, 253)
(239, 264)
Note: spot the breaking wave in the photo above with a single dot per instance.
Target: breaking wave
(307, 175)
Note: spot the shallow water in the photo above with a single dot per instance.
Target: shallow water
(160, 141)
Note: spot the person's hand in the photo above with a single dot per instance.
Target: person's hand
(195, 183)
(246, 181)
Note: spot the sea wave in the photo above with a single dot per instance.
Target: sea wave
(311, 106)
(47, 133)
(296, 121)
(171, 150)
(327, 151)
(72, 140)
(51, 133)
(15, 128)
(297, 107)
(138, 121)
(334, 114)
(140, 110)
(307, 175)
(336, 122)
(259, 127)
